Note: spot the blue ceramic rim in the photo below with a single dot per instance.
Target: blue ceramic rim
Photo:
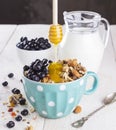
(41, 83)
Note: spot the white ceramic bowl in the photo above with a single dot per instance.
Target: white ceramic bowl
(28, 56)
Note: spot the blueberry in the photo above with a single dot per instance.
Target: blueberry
(37, 61)
(23, 39)
(32, 40)
(22, 101)
(50, 61)
(18, 118)
(45, 61)
(26, 67)
(45, 64)
(36, 39)
(32, 45)
(25, 43)
(37, 67)
(15, 91)
(26, 47)
(48, 45)
(10, 124)
(45, 70)
(46, 40)
(20, 46)
(42, 75)
(41, 39)
(21, 80)
(24, 112)
(10, 75)
(31, 72)
(35, 78)
(5, 83)
(43, 46)
(37, 48)
(32, 64)
(29, 76)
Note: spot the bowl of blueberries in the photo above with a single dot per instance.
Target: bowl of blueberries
(36, 48)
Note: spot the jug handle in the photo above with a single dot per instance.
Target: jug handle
(107, 28)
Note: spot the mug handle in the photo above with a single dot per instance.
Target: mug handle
(95, 82)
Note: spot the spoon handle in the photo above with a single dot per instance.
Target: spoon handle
(92, 113)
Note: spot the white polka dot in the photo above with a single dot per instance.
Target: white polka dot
(81, 82)
(71, 100)
(44, 112)
(59, 114)
(51, 104)
(39, 88)
(62, 87)
(32, 99)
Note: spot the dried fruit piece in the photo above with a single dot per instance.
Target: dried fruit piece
(12, 101)
(29, 128)
(13, 114)
(78, 109)
(76, 73)
(10, 109)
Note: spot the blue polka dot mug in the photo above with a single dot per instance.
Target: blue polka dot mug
(56, 100)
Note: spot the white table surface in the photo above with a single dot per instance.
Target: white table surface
(6, 33)
(103, 120)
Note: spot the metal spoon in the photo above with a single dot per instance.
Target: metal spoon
(110, 98)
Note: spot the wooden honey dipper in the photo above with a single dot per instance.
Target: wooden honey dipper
(55, 32)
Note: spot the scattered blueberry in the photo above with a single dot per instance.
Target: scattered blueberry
(21, 80)
(18, 118)
(15, 91)
(34, 44)
(22, 101)
(26, 67)
(5, 83)
(10, 124)
(24, 112)
(10, 75)
(50, 61)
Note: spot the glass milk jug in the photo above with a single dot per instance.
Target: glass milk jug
(86, 36)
